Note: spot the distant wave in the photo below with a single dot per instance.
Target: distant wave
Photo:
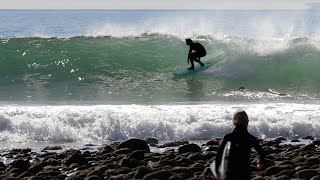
(182, 24)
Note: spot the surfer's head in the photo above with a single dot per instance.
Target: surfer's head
(240, 117)
(188, 41)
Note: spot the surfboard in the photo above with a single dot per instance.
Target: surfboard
(276, 92)
(186, 72)
(224, 163)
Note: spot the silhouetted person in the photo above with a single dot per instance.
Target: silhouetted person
(195, 56)
(241, 143)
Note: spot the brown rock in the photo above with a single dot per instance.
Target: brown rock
(273, 170)
(95, 173)
(75, 158)
(288, 173)
(280, 138)
(94, 177)
(129, 175)
(117, 177)
(20, 164)
(83, 173)
(25, 174)
(259, 178)
(315, 177)
(35, 168)
(211, 148)
(212, 142)
(138, 155)
(141, 172)
(282, 177)
(189, 148)
(48, 173)
(306, 174)
(295, 140)
(135, 144)
(162, 174)
(308, 137)
(190, 171)
(299, 159)
(123, 151)
(313, 160)
(105, 149)
(207, 172)
(129, 162)
(20, 151)
(178, 177)
(53, 162)
(123, 170)
(285, 162)
(15, 171)
(102, 168)
(181, 159)
(196, 157)
(173, 144)
(52, 148)
(36, 178)
(151, 140)
(316, 142)
(2, 166)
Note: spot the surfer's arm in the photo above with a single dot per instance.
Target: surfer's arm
(219, 153)
(259, 150)
(190, 50)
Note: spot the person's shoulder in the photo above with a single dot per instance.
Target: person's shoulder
(252, 137)
(199, 44)
(227, 136)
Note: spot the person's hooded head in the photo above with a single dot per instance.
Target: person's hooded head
(188, 41)
(240, 118)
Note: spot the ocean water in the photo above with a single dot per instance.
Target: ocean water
(78, 76)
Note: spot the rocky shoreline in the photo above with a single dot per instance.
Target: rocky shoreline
(179, 160)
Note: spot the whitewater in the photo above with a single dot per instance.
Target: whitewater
(83, 76)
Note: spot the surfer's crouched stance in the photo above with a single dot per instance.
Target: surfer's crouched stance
(241, 143)
(195, 56)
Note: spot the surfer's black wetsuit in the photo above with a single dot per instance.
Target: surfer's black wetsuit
(195, 56)
(239, 156)
(199, 50)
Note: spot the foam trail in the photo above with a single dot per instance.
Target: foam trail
(20, 123)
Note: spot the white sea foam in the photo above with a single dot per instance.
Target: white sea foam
(262, 25)
(21, 123)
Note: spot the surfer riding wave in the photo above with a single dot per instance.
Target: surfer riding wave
(199, 51)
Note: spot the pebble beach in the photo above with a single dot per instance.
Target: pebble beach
(132, 159)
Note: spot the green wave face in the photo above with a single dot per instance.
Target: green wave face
(139, 69)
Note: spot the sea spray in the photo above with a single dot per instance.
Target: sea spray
(88, 123)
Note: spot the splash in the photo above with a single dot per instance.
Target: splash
(71, 123)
